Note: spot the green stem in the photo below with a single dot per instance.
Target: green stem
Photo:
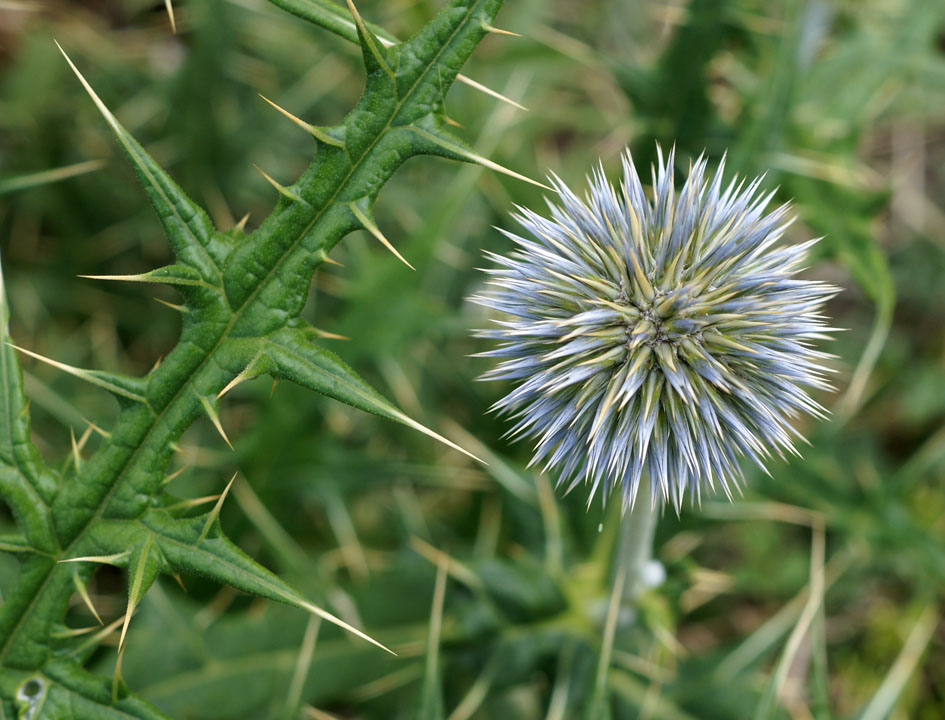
(635, 543)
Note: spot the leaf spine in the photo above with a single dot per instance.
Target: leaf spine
(170, 15)
(283, 190)
(312, 130)
(215, 419)
(455, 148)
(214, 514)
(499, 31)
(370, 40)
(368, 224)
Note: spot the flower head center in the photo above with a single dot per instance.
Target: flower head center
(661, 321)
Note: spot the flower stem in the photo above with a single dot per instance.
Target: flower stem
(635, 542)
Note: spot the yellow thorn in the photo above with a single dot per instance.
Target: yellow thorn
(248, 373)
(232, 384)
(175, 474)
(410, 422)
(283, 190)
(157, 364)
(369, 39)
(241, 225)
(312, 130)
(96, 428)
(273, 388)
(499, 31)
(84, 437)
(145, 278)
(369, 225)
(134, 596)
(172, 306)
(325, 259)
(325, 615)
(74, 632)
(215, 512)
(103, 559)
(84, 594)
(215, 419)
(179, 580)
(106, 113)
(193, 502)
(478, 159)
(329, 335)
(76, 456)
(451, 121)
(489, 91)
(170, 14)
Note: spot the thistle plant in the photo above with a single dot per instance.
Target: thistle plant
(652, 342)
(243, 293)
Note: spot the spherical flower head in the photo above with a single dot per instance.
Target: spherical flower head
(656, 340)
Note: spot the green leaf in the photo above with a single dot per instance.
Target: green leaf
(187, 226)
(294, 357)
(187, 548)
(26, 484)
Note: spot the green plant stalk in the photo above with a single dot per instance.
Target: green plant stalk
(243, 295)
(635, 543)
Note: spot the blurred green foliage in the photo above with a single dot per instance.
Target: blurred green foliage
(819, 594)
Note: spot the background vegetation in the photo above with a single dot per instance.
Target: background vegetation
(819, 594)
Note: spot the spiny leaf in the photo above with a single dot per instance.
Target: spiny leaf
(297, 359)
(121, 386)
(187, 226)
(26, 485)
(16, 449)
(170, 275)
(436, 141)
(217, 557)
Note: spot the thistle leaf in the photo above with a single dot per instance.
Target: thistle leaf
(26, 485)
(188, 549)
(187, 226)
(296, 358)
(121, 386)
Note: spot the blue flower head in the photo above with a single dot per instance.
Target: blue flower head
(656, 340)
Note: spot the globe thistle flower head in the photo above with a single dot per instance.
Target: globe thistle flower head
(656, 340)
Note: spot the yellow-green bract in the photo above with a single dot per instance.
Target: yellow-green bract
(656, 340)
